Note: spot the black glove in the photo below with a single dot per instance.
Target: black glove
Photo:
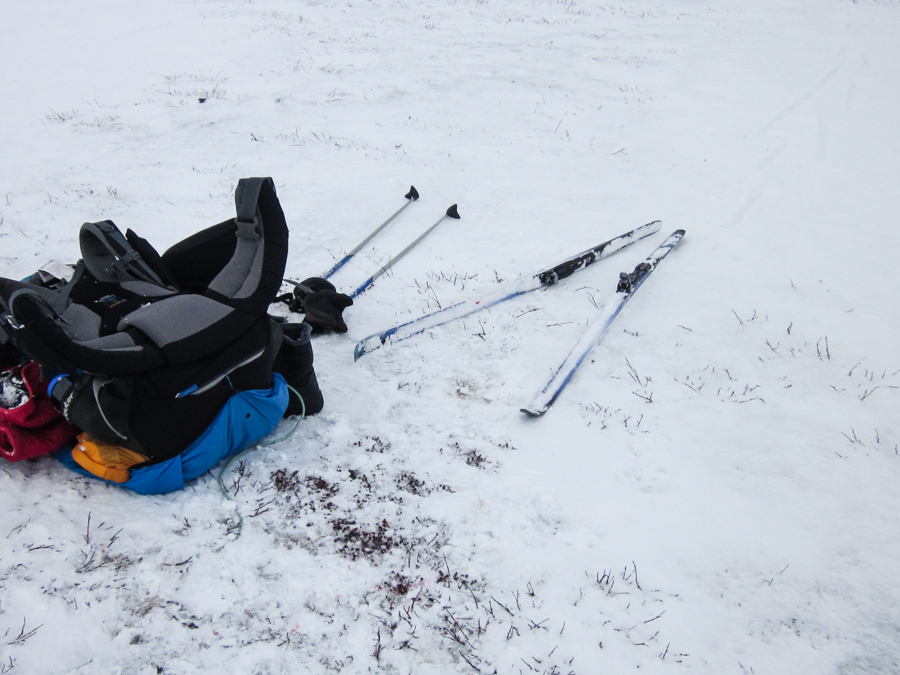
(321, 303)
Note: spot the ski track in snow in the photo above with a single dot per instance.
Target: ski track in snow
(715, 490)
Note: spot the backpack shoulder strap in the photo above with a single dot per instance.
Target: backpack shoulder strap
(110, 257)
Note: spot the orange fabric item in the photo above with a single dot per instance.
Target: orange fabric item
(111, 462)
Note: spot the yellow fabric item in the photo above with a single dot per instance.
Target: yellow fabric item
(104, 460)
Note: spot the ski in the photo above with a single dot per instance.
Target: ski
(510, 289)
(410, 197)
(451, 212)
(628, 285)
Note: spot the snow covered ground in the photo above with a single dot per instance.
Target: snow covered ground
(716, 489)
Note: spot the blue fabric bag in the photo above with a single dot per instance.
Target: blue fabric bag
(246, 418)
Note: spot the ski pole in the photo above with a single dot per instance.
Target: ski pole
(451, 213)
(411, 196)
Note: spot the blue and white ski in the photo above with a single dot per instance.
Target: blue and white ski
(511, 289)
(628, 285)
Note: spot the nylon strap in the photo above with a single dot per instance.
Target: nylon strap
(246, 199)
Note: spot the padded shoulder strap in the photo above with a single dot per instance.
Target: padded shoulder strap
(109, 257)
(246, 198)
(250, 281)
(40, 334)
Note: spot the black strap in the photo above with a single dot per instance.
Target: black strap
(63, 299)
(246, 198)
(110, 257)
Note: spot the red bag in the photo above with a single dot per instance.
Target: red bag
(30, 426)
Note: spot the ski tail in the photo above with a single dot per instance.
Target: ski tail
(511, 289)
(628, 284)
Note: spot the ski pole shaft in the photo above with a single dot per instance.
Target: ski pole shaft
(410, 196)
(451, 213)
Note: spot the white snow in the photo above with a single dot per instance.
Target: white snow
(715, 490)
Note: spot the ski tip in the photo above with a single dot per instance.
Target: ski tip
(359, 350)
(365, 346)
(452, 212)
(673, 239)
(533, 412)
(413, 194)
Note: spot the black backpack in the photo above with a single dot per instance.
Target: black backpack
(149, 347)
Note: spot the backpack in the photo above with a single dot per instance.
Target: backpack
(152, 352)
